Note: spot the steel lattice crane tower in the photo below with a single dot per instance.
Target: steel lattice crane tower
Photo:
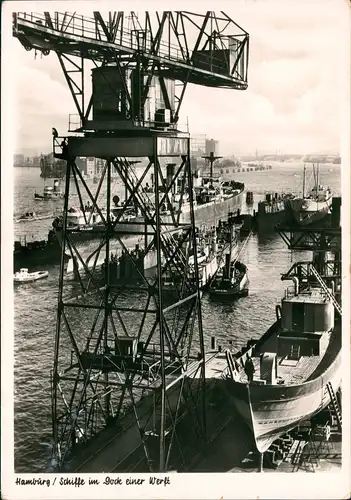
(129, 361)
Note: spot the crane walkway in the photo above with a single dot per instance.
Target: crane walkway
(94, 38)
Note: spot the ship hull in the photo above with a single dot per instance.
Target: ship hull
(49, 253)
(266, 222)
(272, 410)
(305, 211)
(87, 240)
(239, 290)
(206, 271)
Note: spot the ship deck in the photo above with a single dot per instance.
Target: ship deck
(289, 372)
(294, 372)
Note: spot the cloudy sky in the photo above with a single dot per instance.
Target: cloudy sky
(297, 72)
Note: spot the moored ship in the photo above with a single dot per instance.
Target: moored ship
(232, 279)
(214, 199)
(32, 253)
(295, 365)
(270, 212)
(213, 249)
(312, 206)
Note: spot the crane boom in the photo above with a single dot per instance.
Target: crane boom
(214, 58)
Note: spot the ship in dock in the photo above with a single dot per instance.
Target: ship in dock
(213, 200)
(270, 212)
(293, 371)
(231, 279)
(31, 253)
(214, 249)
(314, 205)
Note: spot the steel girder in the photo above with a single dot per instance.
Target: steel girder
(129, 351)
(311, 238)
(210, 49)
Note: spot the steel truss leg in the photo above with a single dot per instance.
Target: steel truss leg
(126, 353)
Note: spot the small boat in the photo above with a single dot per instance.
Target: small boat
(27, 216)
(23, 276)
(232, 280)
(232, 284)
(30, 216)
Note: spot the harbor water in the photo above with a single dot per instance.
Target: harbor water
(35, 304)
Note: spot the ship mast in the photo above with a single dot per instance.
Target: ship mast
(211, 158)
(229, 259)
(304, 181)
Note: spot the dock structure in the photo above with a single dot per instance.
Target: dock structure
(324, 240)
(129, 381)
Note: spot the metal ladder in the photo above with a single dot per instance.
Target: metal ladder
(295, 352)
(335, 405)
(326, 289)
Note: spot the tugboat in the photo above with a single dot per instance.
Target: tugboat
(50, 192)
(231, 280)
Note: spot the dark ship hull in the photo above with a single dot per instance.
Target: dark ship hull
(266, 222)
(37, 252)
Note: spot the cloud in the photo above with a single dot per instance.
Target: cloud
(293, 100)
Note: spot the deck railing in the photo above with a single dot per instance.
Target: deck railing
(89, 28)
